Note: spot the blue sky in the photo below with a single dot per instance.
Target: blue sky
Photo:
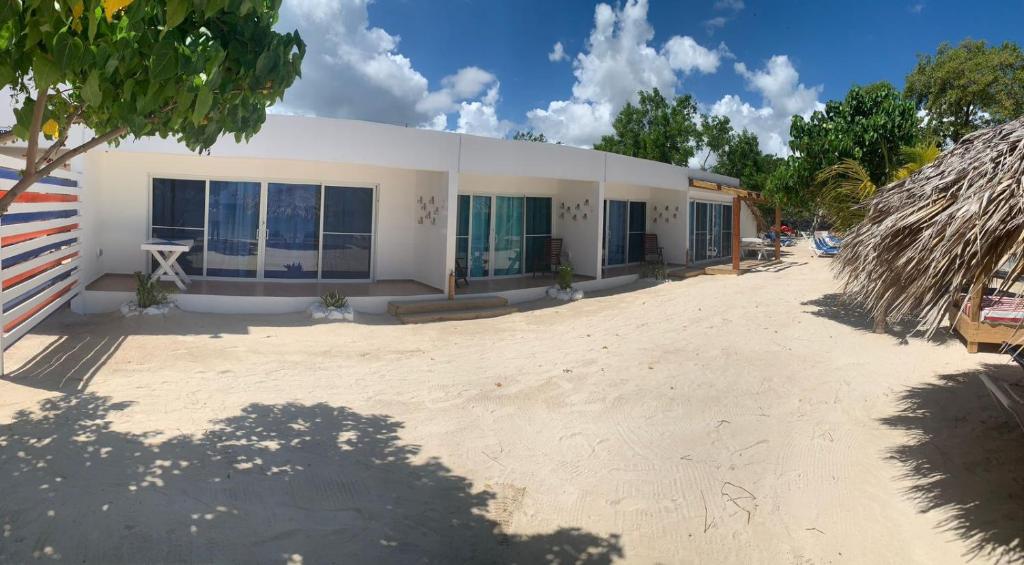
(489, 67)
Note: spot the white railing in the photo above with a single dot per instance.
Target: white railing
(40, 246)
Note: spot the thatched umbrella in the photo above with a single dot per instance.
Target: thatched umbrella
(943, 230)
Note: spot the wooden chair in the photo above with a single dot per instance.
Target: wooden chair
(460, 272)
(652, 249)
(552, 255)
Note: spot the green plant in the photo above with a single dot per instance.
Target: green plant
(563, 277)
(333, 299)
(148, 291)
(654, 271)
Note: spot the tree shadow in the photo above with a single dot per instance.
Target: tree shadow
(835, 307)
(965, 462)
(281, 483)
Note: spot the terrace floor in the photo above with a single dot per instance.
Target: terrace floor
(404, 287)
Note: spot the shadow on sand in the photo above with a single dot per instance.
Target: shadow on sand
(834, 307)
(965, 462)
(283, 483)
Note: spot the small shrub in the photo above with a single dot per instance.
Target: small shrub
(148, 291)
(563, 277)
(333, 299)
(654, 271)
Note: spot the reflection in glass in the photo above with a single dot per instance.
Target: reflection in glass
(462, 232)
(234, 215)
(347, 256)
(637, 228)
(480, 237)
(538, 231)
(347, 237)
(293, 231)
(615, 230)
(179, 208)
(508, 235)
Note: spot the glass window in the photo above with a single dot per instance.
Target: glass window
(538, 232)
(293, 231)
(348, 232)
(637, 229)
(462, 233)
(233, 242)
(179, 212)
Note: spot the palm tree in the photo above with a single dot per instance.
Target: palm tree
(847, 185)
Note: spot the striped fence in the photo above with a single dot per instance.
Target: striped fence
(39, 250)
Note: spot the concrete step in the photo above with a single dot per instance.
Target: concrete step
(455, 315)
(444, 305)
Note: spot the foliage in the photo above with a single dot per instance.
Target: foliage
(968, 87)
(529, 135)
(870, 126)
(563, 276)
(654, 270)
(742, 158)
(333, 299)
(716, 135)
(148, 291)
(847, 186)
(656, 129)
(193, 70)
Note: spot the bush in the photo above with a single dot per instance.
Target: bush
(654, 271)
(148, 291)
(333, 299)
(563, 277)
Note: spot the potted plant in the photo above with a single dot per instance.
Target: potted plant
(332, 306)
(150, 297)
(563, 289)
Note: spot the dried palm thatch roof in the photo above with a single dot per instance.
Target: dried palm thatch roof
(941, 231)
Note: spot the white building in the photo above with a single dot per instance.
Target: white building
(379, 212)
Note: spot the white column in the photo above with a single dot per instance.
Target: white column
(451, 226)
(599, 236)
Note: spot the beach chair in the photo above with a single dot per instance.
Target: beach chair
(652, 249)
(461, 273)
(819, 248)
(1006, 394)
(552, 254)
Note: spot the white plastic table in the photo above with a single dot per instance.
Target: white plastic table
(166, 253)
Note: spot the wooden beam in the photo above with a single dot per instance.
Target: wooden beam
(778, 233)
(736, 234)
(733, 190)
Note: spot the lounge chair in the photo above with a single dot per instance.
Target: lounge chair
(819, 248)
(755, 245)
(1008, 395)
(461, 272)
(552, 256)
(652, 249)
(998, 320)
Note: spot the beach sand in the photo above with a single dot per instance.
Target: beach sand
(719, 419)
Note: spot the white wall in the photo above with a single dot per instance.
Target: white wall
(121, 190)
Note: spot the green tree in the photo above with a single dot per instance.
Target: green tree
(656, 129)
(968, 87)
(715, 135)
(742, 158)
(529, 135)
(192, 70)
(847, 185)
(870, 125)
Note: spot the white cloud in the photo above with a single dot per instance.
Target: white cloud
(353, 70)
(916, 8)
(783, 96)
(714, 24)
(619, 61)
(734, 5)
(557, 53)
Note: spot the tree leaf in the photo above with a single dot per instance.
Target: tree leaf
(91, 92)
(203, 103)
(176, 12)
(45, 71)
(164, 64)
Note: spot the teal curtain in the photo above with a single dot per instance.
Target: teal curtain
(480, 238)
(508, 235)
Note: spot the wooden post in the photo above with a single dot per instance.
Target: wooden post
(451, 285)
(975, 314)
(778, 233)
(736, 234)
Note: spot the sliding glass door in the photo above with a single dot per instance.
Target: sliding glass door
(232, 245)
(501, 236)
(710, 231)
(616, 230)
(247, 229)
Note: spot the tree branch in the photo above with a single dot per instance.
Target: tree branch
(30, 178)
(33, 131)
(56, 146)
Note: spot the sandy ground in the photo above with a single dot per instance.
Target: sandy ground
(720, 419)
